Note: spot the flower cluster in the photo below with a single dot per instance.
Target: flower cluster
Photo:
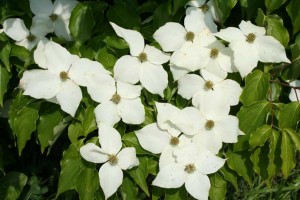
(189, 139)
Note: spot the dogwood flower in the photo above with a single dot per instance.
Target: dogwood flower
(144, 64)
(52, 17)
(295, 93)
(191, 169)
(117, 100)
(16, 29)
(250, 44)
(114, 158)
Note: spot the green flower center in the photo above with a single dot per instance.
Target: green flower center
(63, 75)
(189, 36)
(204, 8)
(112, 159)
(214, 53)
(250, 38)
(208, 85)
(53, 17)
(116, 98)
(209, 124)
(190, 168)
(31, 38)
(142, 57)
(174, 141)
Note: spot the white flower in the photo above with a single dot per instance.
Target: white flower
(52, 17)
(250, 44)
(295, 93)
(117, 100)
(144, 64)
(110, 173)
(191, 168)
(198, 88)
(16, 29)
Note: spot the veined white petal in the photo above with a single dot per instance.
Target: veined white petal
(41, 25)
(232, 91)
(178, 72)
(93, 153)
(127, 69)
(111, 177)
(189, 85)
(171, 176)
(270, 50)
(208, 163)
(40, 84)
(207, 76)
(195, 3)
(194, 20)
(154, 78)
(231, 34)
(41, 7)
(134, 39)
(214, 67)
(186, 155)
(127, 158)
(132, 111)
(38, 55)
(28, 44)
(247, 27)
(166, 157)
(156, 56)
(208, 140)
(153, 139)
(107, 113)
(224, 60)
(15, 29)
(101, 87)
(61, 28)
(63, 8)
(228, 128)
(69, 97)
(128, 91)
(292, 95)
(198, 185)
(109, 139)
(170, 36)
(212, 9)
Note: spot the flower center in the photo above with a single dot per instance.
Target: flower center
(112, 159)
(204, 8)
(214, 53)
(190, 168)
(31, 38)
(209, 124)
(116, 98)
(142, 57)
(250, 38)
(53, 17)
(63, 75)
(174, 141)
(189, 36)
(208, 85)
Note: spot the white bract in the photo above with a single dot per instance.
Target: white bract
(52, 17)
(191, 168)
(117, 100)
(144, 64)
(114, 158)
(250, 44)
(295, 93)
(16, 29)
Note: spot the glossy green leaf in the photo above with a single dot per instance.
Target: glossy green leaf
(128, 189)
(273, 4)
(82, 22)
(229, 175)
(250, 7)
(292, 72)
(260, 136)
(260, 162)
(276, 29)
(4, 55)
(293, 11)
(253, 116)
(131, 140)
(162, 15)
(176, 194)
(4, 79)
(295, 137)
(287, 155)
(289, 115)
(273, 156)
(256, 88)
(74, 131)
(218, 188)
(224, 8)
(106, 58)
(12, 185)
(88, 120)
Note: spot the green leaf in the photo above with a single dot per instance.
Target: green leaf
(50, 117)
(260, 136)
(256, 87)
(224, 8)
(12, 185)
(88, 120)
(106, 58)
(292, 72)
(218, 187)
(4, 55)
(293, 11)
(259, 160)
(128, 189)
(176, 194)
(230, 176)
(289, 115)
(273, 156)
(253, 116)
(287, 155)
(162, 15)
(250, 7)
(239, 163)
(139, 174)
(82, 22)
(273, 4)
(131, 140)
(294, 136)
(4, 79)
(276, 29)
(74, 131)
